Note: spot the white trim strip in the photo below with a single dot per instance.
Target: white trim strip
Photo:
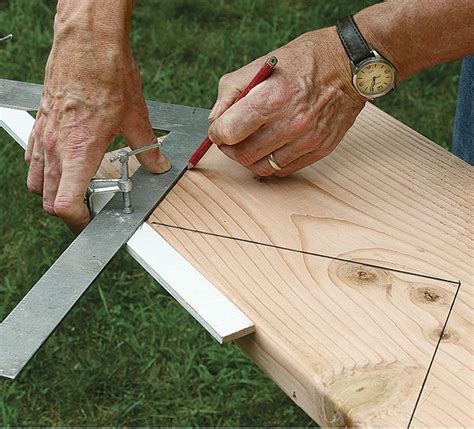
(18, 124)
(217, 314)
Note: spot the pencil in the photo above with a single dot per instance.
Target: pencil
(262, 74)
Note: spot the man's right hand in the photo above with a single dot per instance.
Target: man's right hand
(92, 92)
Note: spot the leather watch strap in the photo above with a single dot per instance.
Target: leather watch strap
(353, 41)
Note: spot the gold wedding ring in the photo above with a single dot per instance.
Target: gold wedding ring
(273, 163)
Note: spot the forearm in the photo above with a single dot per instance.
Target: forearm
(415, 35)
(90, 36)
(106, 21)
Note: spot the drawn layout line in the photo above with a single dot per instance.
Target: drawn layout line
(304, 252)
(441, 335)
(289, 249)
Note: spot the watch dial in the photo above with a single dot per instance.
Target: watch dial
(375, 78)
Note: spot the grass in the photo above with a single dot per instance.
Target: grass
(128, 354)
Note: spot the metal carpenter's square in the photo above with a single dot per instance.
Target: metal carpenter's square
(31, 322)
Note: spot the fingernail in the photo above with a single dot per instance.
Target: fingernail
(164, 163)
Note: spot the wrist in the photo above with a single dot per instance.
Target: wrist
(341, 65)
(378, 26)
(414, 35)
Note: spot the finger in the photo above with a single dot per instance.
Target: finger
(69, 202)
(304, 161)
(313, 156)
(80, 157)
(138, 132)
(52, 176)
(36, 170)
(230, 87)
(29, 148)
(316, 146)
(255, 147)
(222, 104)
(52, 170)
(36, 133)
(241, 119)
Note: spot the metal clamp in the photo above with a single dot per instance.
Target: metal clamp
(123, 184)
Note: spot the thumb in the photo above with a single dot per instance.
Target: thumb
(231, 85)
(138, 132)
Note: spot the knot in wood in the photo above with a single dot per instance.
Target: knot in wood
(362, 275)
(429, 295)
(449, 336)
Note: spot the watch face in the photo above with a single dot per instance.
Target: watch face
(374, 78)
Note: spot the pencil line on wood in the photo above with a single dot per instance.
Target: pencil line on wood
(441, 335)
(304, 252)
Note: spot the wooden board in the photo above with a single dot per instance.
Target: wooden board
(349, 343)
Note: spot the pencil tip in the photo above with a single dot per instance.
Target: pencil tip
(190, 165)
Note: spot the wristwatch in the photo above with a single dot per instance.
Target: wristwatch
(372, 74)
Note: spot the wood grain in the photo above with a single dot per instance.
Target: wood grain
(349, 343)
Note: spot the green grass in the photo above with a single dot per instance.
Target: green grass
(128, 354)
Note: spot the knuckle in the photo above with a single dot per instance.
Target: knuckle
(221, 133)
(79, 135)
(260, 109)
(227, 134)
(243, 157)
(213, 136)
(37, 157)
(49, 141)
(280, 95)
(262, 170)
(63, 207)
(273, 101)
(320, 135)
(225, 80)
(48, 207)
(33, 186)
(302, 123)
(77, 142)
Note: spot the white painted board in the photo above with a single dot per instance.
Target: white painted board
(18, 124)
(213, 310)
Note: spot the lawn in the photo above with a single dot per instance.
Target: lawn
(128, 354)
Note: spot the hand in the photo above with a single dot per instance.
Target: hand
(300, 113)
(92, 92)
(372, 84)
